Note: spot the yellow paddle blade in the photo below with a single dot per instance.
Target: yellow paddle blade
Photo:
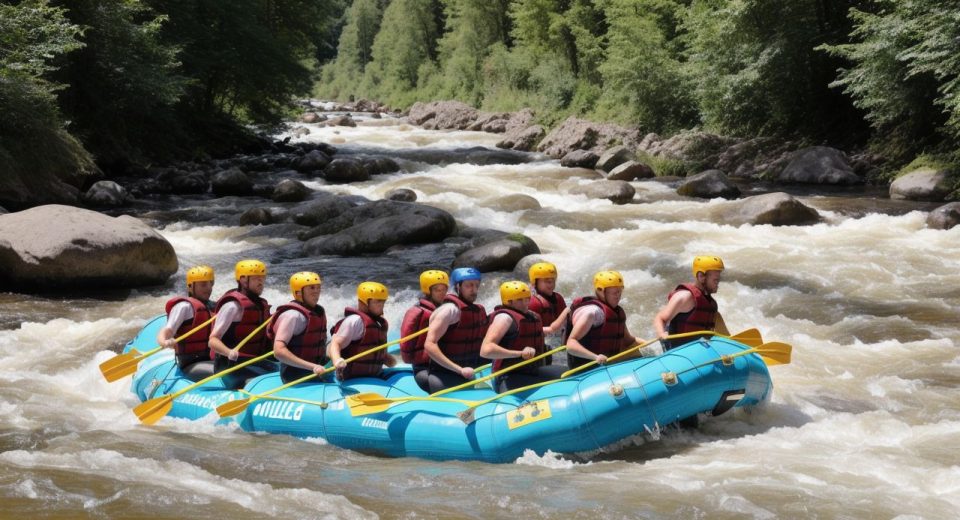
(775, 353)
(123, 365)
(363, 407)
(749, 337)
(231, 408)
(149, 412)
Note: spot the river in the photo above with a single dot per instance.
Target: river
(864, 423)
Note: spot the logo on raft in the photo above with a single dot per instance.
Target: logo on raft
(199, 400)
(286, 410)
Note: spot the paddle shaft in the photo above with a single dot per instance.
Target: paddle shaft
(325, 370)
(495, 374)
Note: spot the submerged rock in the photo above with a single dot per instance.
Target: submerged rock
(106, 194)
(944, 217)
(777, 209)
(72, 248)
(498, 254)
(514, 202)
(377, 226)
(401, 195)
(345, 170)
(289, 190)
(618, 192)
(256, 217)
(709, 185)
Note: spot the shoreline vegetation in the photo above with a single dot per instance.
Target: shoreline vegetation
(94, 90)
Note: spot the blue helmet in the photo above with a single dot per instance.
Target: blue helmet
(462, 274)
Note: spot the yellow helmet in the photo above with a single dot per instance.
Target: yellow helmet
(430, 278)
(702, 264)
(542, 270)
(302, 279)
(513, 290)
(250, 268)
(604, 279)
(371, 291)
(200, 273)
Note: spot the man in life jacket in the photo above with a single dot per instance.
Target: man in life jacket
(548, 303)
(515, 334)
(239, 312)
(433, 286)
(185, 313)
(690, 306)
(299, 330)
(598, 327)
(456, 332)
(362, 328)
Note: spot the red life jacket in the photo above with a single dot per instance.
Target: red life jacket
(526, 331)
(606, 339)
(416, 319)
(254, 314)
(375, 334)
(703, 316)
(548, 307)
(461, 342)
(310, 345)
(193, 348)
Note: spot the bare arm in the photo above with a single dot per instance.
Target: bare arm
(220, 326)
(682, 301)
(491, 349)
(557, 323)
(581, 326)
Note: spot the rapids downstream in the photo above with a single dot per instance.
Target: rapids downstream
(864, 423)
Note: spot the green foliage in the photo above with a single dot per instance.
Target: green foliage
(756, 69)
(343, 76)
(904, 74)
(644, 82)
(407, 39)
(34, 147)
(664, 166)
(472, 28)
(123, 83)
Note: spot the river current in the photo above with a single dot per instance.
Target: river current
(864, 423)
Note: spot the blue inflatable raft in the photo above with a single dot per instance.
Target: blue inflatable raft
(583, 413)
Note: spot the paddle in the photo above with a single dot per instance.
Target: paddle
(123, 365)
(773, 353)
(368, 403)
(750, 337)
(151, 411)
(234, 407)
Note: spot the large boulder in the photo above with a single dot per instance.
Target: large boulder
(524, 140)
(256, 216)
(819, 165)
(232, 182)
(513, 202)
(580, 159)
(498, 255)
(709, 185)
(377, 226)
(401, 195)
(72, 248)
(289, 190)
(777, 209)
(614, 157)
(106, 194)
(345, 120)
(312, 161)
(618, 192)
(923, 184)
(629, 171)
(345, 170)
(944, 217)
(442, 115)
(316, 212)
(580, 134)
(183, 183)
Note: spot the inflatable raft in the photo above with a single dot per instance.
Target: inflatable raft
(585, 412)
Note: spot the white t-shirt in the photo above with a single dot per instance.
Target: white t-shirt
(180, 313)
(594, 312)
(351, 328)
(289, 324)
(446, 315)
(230, 313)
(503, 319)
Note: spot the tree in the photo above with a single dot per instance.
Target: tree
(36, 152)
(354, 51)
(903, 73)
(472, 28)
(407, 40)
